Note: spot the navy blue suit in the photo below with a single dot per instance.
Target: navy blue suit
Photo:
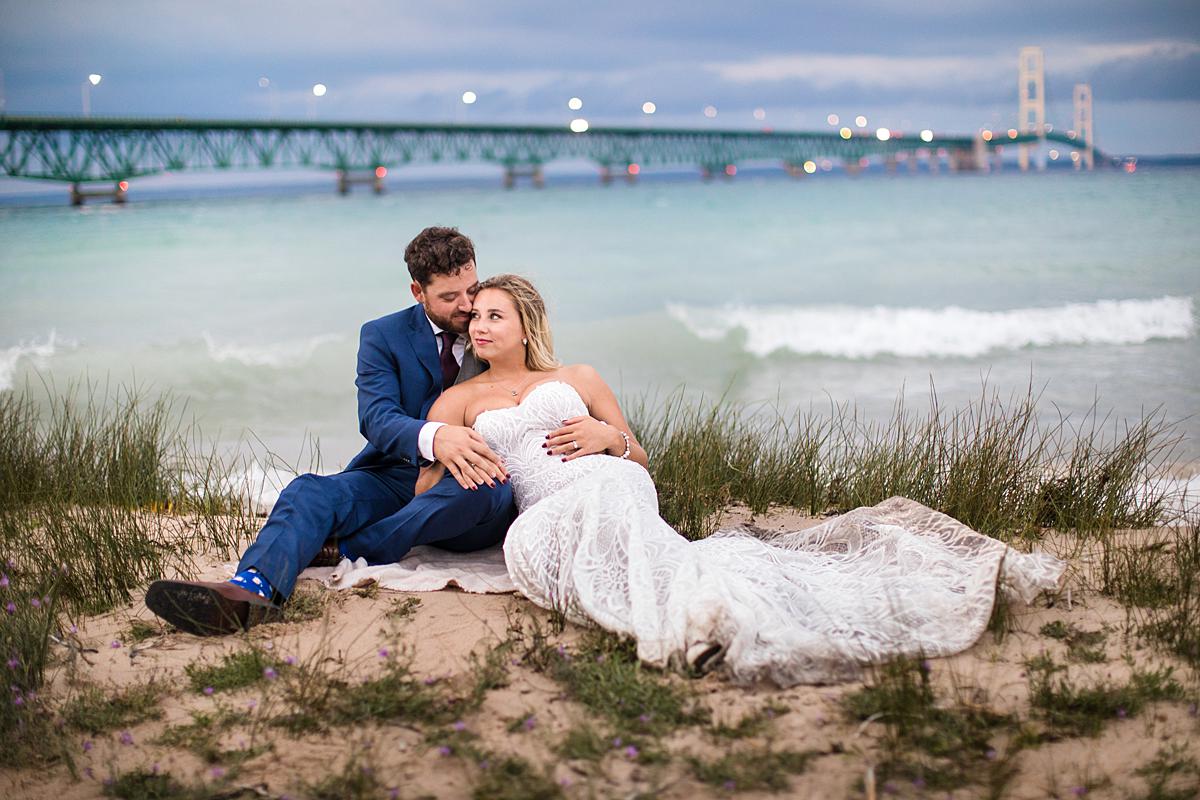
(369, 507)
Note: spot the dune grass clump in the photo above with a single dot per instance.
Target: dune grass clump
(94, 710)
(759, 769)
(991, 464)
(235, 670)
(941, 743)
(1069, 710)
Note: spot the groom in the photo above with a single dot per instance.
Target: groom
(368, 510)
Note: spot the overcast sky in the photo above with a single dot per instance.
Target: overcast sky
(948, 66)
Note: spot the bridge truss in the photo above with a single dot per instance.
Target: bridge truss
(87, 150)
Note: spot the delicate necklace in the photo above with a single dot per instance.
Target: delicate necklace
(513, 392)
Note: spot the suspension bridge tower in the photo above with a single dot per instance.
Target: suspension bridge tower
(1083, 126)
(1031, 83)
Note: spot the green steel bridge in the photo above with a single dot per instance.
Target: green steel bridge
(83, 151)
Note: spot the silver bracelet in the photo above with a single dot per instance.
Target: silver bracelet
(625, 436)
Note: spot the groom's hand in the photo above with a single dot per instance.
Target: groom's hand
(467, 456)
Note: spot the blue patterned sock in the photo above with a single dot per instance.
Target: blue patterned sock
(252, 580)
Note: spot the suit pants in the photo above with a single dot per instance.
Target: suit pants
(373, 515)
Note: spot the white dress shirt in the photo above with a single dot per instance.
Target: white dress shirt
(429, 429)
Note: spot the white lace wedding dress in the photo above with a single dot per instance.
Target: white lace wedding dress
(809, 606)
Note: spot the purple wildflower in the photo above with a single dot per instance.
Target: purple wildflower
(393, 793)
(270, 674)
(18, 701)
(430, 681)
(115, 644)
(990, 755)
(383, 652)
(484, 764)
(11, 607)
(1122, 713)
(290, 661)
(444, 750)
(208, 690)
(3, 580)
(13, 663)
(1193, 710)
(564, 782)
(126, 737)
(729, 786)
(217, 772)
(35, 602)
(530, 723)
(74, 629)
(617, 742)
(45, 599)
(643, 718)
(600, 658)
(87, 745)
(1079, 791)
(631, 752)
(926, 667)
(459, 725)
(251, 704)
(88, 772)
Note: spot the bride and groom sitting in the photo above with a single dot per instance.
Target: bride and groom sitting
(463, 458)
(418, 481)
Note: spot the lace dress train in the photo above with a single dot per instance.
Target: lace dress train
(808, 606)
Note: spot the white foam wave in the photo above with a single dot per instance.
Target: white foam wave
(277, 354)
(38, 353)
(857, 332)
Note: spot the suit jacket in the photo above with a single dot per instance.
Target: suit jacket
(399, 378)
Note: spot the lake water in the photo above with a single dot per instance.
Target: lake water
(802, 293)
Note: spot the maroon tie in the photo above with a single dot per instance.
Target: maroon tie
(449, 365)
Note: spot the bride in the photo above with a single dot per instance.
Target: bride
(809, 606)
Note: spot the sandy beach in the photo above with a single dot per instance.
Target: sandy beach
(218, 742)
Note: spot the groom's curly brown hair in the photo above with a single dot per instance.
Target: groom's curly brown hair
(437, 251)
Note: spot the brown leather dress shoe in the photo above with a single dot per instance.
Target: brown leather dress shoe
(328, 556)
(209, 609)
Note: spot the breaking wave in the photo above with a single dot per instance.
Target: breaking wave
(858, 332)
(38, 353)
(276, 354)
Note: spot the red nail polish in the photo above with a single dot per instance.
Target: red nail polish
(564, 459)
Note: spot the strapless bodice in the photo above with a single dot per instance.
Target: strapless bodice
(517, 434)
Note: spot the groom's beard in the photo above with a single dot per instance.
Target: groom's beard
(456, 323)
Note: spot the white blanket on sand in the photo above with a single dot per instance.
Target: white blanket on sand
(424, 569)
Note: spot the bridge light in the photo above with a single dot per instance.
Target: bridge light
(731, 170)
(264, 82)
(123, 186)
(860, 121)
(826, 164)
(986, 136)
(319, 90)
(648, 107)
(381, 172)
(883, 134)
(1074, 155)
(710, 111)
(832, 119)
(810, 167)
(579, 125)
(926, 135)
(760, 114)
(574, 104)
(1012, 133)
(633, 169)
(95, 79)
(469, 97)
(1053, 155)
(846, 133)
(1070, 134)
(1049, 128)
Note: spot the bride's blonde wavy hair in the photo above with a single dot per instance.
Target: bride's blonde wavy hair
(539, 351)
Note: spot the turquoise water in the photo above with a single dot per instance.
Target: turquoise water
(796, 292)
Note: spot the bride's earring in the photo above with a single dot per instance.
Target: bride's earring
(524, 341)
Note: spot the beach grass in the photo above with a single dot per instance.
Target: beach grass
(990, 464)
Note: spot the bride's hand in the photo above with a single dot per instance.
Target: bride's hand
(583, 436)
